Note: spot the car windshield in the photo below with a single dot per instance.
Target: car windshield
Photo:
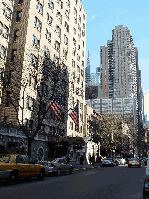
(133, 159)
(5, 158)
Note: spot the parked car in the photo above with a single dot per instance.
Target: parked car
(122, 161)
(15, 166)
(116, 161)
(146, 187)
(108, 162)
(59, 166)
(134, 162)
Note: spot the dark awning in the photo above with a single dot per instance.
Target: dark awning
(75, 140)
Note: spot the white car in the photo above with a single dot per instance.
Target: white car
(122, 161)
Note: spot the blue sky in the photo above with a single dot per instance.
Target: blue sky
(103, 16)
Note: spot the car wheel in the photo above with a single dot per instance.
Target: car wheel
(59, 172)
(41, 175)
(14, 177)
(71, 170)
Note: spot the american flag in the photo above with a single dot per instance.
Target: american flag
(55, 107)
(75, 116)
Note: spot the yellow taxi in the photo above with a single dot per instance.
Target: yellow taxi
(15, 166)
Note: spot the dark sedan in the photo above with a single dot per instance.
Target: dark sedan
(108, 162)
(134, 162)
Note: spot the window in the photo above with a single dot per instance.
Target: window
(67, 14)
(59, 16)
(68, 3)
(18, 16)
(1, 28)
(82, 53)
(35, 41)
(82, 73)
(39, 7)
(7, 103)
(83, 25)
(4, 30)
(78, 57)
(57, 46)
(48, 35)
(83, 63)
(19, 159)
(51, 4)
(83, 33)
(65, 52)
(46, 52)
(49, 19)
(78, 79)
(30, 103)
(13, 55)
(34, 60)
(2, 52)
(74, 31)
(20, 1)
(66, 26)
(6, 11)
(74, 42)
(58, 30)
(71, 124)
(78, 47)
(75, 11)
(37, 24)
(78, 69)
(73, 63)
(79, 19)
(83, 16)
(65, 40)
(16, 32)
(32, 81)
(44, 89)
(45, 71)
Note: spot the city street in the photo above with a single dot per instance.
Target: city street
(119, 182)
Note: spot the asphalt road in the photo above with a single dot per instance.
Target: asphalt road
(103, 183)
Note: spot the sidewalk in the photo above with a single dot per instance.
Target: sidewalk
(77, 166)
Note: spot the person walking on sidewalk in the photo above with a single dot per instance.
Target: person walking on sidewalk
(81, 160)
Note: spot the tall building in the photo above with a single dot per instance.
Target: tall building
(40, 30)
(95, 77)
(88, 71)
(6, 11)
(118, 65)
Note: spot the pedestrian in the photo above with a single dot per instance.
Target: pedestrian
(81, 160)
(67, 159)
